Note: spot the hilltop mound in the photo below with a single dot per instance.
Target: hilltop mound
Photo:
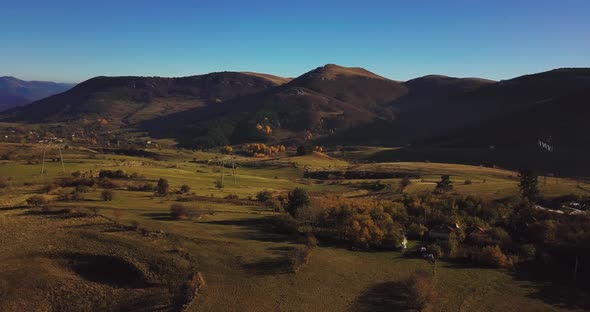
(275, 79)
(353, 85)
(325, 100)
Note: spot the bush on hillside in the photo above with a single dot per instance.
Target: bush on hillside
(264, 196)
(146, 187)
(163, 187)
(492, 256)
(181, 211)
(38, 200)
(118, 174)
(185, 188)
(107, 195)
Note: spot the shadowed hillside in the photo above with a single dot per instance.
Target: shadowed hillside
(132, 99)
(322, 101)
(335, 105)
(537, 100)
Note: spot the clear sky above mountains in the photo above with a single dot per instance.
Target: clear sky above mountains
(71, 41)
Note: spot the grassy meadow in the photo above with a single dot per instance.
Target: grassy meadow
(244, 267)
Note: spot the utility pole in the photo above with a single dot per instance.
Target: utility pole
(233, 169)
(43, 161)
(222, 171)
(61, 157)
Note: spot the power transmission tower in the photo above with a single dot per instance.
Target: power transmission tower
(43, 161)
(222, 171)
(233, 169)
(61, 158)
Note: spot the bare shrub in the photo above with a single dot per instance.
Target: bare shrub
(73, 196)
(137, 176)
(107, 195)
(422, 293)
(185, 188)
(311, 241)
(195, 283)
(493, 256)
(108, 183)
(284, 224)
(264, 196)
(95, 210)
(146, 187)
(181, 211)
(3, 182)
(49, 188)
(73, 182)
(38, 200)
(275, 205)
(82, 188)
(299, 257)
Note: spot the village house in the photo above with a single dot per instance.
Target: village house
(443, 231)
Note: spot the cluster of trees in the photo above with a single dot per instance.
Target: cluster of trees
(309, 149)
(264, 129)
(365, 224)
(495, 233)
(261, 150)
(227, 149)
(113, 174)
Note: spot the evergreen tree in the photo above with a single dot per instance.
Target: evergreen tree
(444, 185)
(296, 200)
(529, 185)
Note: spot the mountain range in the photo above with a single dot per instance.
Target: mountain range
(335, 105)
(15, 92)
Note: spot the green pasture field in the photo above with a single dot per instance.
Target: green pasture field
(245, 267)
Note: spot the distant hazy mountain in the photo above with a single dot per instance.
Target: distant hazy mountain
(15, 92)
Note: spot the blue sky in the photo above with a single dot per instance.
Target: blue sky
(72, 41)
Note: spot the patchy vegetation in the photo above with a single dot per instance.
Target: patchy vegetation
(271, 229)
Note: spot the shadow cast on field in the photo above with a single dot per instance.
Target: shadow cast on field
(110, 270)
(389, 296)
(159, 216)
(259, 229)
(269, 266)
(561, 294)
(56, 214)
(14, 208)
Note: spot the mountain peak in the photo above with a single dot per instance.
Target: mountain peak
(333, 71)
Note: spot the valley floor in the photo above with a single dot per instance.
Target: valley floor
(244, 267)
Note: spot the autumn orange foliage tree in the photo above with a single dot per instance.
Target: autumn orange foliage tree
(261, 150)
(365, 223)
